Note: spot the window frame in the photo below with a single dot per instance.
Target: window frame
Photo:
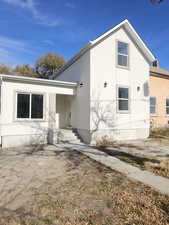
(153, 114)
(128, 56)
(167, 114)
(30, 106)
(117, 100)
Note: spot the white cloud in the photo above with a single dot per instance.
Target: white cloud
(14, 51)
(32, 7)
(30, 4)
(70, 5)
(4, 53)
(11, 44)
(6, 57)
(48, 42)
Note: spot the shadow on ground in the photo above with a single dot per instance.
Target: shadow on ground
(129, 157)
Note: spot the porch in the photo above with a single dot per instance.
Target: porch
(32, 110)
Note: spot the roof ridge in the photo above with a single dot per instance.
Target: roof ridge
(128, 27)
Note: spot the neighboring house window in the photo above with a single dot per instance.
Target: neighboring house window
(152, 105)
(122, 54)
(29, 106)
(167, 106)
(123, 99)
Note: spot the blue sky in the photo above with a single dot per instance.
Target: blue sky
(30, 28)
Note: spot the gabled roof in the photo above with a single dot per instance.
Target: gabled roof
(129, 29)
(156, 71)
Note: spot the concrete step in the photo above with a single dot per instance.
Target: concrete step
(63, 135)
(71, 141)
(68, 136)
(66, 131)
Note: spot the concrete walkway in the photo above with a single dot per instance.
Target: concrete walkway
(146, 177)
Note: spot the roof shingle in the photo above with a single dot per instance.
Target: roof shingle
(159, 71)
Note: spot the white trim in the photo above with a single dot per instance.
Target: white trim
(128, 27)
(133, 33)
(4, 77)
(117, 54)
(117, 96)
(30, 105)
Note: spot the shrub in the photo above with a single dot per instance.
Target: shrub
(105, 142)
(162, 132)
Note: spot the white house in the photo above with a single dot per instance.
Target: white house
(113, 75)
(101, 91)
(31, 109)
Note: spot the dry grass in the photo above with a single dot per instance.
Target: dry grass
(105, 143)
(91, 194)
(159, 167)
(162, 132)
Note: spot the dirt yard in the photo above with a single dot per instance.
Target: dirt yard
(58, 186)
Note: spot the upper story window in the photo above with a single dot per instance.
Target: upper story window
(122, 54)
(167, 106)
(29, 106)
(123, 99)
(153, 103)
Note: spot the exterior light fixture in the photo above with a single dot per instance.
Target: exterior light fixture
(138, 88)
(81, 84)
(105, 84)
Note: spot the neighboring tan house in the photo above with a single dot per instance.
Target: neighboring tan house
(159, 97)
(103, 91)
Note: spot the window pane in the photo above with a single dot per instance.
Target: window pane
(123, 93)
(122, 60)
(152, 109)
(123, 105)
(152, 101)
(37, 107)
(122, 48)
(23, 102)
(167, 110)
(167, 102)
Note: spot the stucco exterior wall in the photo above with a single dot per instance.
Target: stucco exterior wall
(134, 124)
(159, 88)
(79, 71)
(20, 132)
(63, 110)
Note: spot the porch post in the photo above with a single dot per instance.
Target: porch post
(52, 119)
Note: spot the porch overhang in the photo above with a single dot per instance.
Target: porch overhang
(59, 87)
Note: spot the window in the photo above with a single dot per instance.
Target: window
(37, 106)
(167, 106)
(152, 105)
(122, 54)
(29, 106)
(23, 105)
(123, 99)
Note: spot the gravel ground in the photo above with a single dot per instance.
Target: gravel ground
(24, 168)
(57, 186)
